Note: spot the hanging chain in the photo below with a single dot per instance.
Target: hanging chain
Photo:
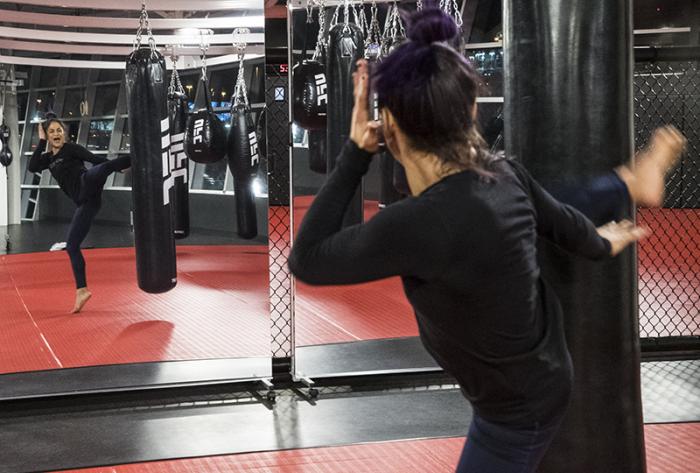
(240, 92)
(451, 8)
(334, 18)
(204, 47)
(457, 14)
(144, 23)
(373, 41)
(419, 5)
(320, 40)
(175, 84)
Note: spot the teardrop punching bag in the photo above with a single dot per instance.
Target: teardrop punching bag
(5, 151)
(568, 116)
(243, 161)
(149, 135)
(345, 47)
(180, 200)
(205, 135)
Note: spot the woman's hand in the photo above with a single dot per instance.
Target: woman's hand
(363, 131)
(621, 234)
(42, 132)
(667, 144)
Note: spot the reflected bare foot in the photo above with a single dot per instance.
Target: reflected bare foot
(82, 295)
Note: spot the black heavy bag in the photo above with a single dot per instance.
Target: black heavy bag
(5, 151)
(317, 151)
(243, 161)
(261, 133)
(180, 200)
(149, 135)
(345, 47)
(310, 100)
(205, 136)
(562, 143)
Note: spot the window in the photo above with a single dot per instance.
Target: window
(73, 127)
(22, 105)
(210, 176)
(77, 76)
(99, 134)
(71, 104)
(125, 142)
(122, 179)
(43, 102)
(48, 76)
(105, 100)
(107, 75)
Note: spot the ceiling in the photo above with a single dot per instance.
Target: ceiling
(101, 33)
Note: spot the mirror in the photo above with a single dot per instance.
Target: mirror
(214, 324)
(350, 328)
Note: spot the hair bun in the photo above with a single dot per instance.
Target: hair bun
(431, 25)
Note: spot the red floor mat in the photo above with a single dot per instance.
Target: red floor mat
(218, 309)
(328, 314)
(670, 448)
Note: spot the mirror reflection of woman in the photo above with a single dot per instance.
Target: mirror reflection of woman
(66, 162)
(464, 245)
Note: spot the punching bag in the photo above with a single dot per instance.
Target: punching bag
(149, 136)
(5, 152)
(243, 161)
(317, 151)
(568, 116)
(205, 135)
(180, 200)
(261, 133)
(345, 48)
(310, 99)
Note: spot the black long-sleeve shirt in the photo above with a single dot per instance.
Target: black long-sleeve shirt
(465, 249)
(66, 166)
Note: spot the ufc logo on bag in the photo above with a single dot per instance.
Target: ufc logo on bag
(198, 127)
(321, 89)
(254, 157)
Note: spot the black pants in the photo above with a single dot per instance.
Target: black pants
(89, 202)
(602, 199)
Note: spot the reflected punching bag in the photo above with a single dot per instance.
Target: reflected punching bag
(243, 161)
(205, 135)
(345, 48)
(179, 165)
(393, 172)
(568, 116)
(5, 151)
(149, 134)
(317, 151)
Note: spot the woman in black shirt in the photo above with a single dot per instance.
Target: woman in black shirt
(84, 186)
(464, 245)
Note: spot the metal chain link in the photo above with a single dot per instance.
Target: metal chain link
(240, 92)
(334, 18)
(457, 14)
(204, 47)
(419, 5)
(373, 41)
(144, 23)
(175, 84)
(320, 40)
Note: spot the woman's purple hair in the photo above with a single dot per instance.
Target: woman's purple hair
(431, 91)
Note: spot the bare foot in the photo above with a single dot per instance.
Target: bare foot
(646, 179)
(82, 295)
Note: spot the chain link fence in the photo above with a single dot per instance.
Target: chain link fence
(668, 92)
(277, 117)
